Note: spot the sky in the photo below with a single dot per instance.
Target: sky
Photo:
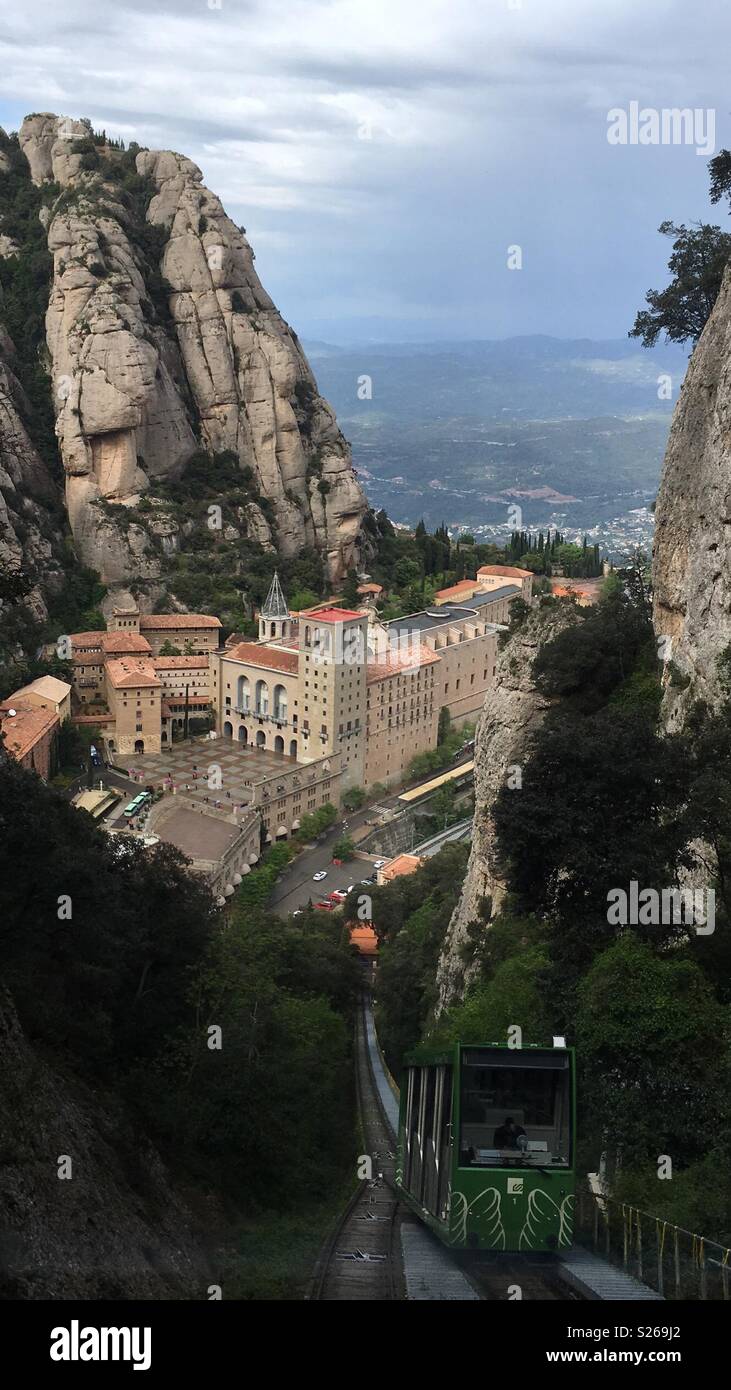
(384, 155)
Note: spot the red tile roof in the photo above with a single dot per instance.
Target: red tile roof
(333, 615)
(509, 570)
(458, 588)
(125, 643)
(275, 658)
(160, 622)
(24, 729)
(129, 673)
(86, 640)
(393, 662)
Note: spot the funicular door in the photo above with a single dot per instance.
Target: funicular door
(412, 1103)
(432, 1111)
(444, 1134)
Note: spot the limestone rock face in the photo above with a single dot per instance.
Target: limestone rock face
(121, 1230)
(692, 553)
(30, 503)
(512, 713)
(146, 371)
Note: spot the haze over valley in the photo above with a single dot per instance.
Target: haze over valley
(571, 431)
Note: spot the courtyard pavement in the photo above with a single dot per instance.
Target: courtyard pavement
(217, 772)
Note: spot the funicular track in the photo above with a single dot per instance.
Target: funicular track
(361, 1258)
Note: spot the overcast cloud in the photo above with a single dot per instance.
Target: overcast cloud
(384, 154)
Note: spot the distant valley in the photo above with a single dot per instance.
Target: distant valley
(572, 432)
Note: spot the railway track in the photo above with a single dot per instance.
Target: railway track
(508, 1277)
(361, 1259)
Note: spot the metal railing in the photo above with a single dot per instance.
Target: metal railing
(679, 1264)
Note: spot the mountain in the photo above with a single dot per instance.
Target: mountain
(137, 301)
(457, 432)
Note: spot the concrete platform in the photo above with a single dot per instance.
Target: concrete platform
(429, 1272)
(595, 1278)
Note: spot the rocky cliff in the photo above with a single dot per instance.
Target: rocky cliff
(514, 709)
(30, 502)
(113, 1228)
(692, 554)
(161, 342)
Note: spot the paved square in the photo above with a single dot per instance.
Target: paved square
(187, 767)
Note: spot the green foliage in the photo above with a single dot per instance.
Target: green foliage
(344, 848)
(256, 887)
(270, 1114)
(301, 598)
(314, 823)
(435, 759)
(411, 916)
(111, 981)
(697, 264)
(25, 281)
(642, 1020)
(354, 798)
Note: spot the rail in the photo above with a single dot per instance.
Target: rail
(678, 1264)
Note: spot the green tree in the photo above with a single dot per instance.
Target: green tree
(697, 264)
(344, 848)
(651, 1041)
(353, 798)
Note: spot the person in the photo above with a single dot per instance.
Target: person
(506, 1135)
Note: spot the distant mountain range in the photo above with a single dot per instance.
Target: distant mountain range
(574, 430)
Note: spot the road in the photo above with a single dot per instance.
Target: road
(295, 887)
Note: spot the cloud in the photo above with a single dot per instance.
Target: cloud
(387, 153)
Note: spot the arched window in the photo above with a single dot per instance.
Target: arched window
(308, 637)
(262, 697)
(228, 729)
(261, 738)
(280, 702)
(293, 748)
(272, 629)
(244, 693)
(279, 744)
(243, 735)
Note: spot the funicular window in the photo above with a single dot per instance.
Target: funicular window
(412, 1118)
(515, 1109)
(429, 1164)
(445, 1144)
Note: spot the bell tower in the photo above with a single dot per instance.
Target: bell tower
(274, 618)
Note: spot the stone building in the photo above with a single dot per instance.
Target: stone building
(337, 681)
(188, 633)
(133, 698)
(47, 692)
(29, 735)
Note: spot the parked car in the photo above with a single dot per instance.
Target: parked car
(378, 863)
(297, 912)
(366, 882)
(319, 876)
(324, 907)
